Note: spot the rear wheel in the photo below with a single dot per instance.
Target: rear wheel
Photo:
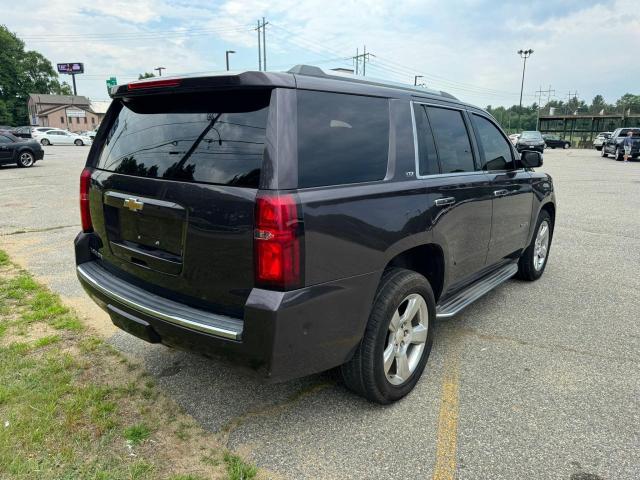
(26, 159)
(603, 152)
(78, 143)
(44, 141)
(533, 260)
(397, 341)
(566, 145)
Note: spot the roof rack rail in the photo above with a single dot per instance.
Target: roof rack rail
(314, 71)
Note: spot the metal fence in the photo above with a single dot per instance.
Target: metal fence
(581, 130)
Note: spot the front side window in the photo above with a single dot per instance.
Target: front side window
(452, 140)
(342, 138)
(4, 139)
(217, 138)
(495, 148)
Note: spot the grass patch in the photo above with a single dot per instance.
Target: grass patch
(136, 434)
(238, 469)
(72, 407)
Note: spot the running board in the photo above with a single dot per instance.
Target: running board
(466, 297)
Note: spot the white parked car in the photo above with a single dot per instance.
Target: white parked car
(62, 137)
(600, 139)
(514, 138)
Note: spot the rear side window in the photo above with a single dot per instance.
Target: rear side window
(215, 139)
(341, 138)
(452, 140)
(496, 149)
(427, 156)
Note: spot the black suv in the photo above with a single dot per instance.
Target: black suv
(295, 222)
(530, 140)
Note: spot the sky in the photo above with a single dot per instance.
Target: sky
(464, 47)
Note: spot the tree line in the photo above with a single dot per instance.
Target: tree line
(514, 119)
(23, 72)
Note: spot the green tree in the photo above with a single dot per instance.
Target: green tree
(628, 101)
(21, 73)
(145, 75)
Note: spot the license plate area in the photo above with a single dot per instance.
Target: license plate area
(147, 232)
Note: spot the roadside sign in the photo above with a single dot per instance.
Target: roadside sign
(71, 68)
(111, 82)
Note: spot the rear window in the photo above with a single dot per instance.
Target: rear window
(215, 138)
(531, 136)
(341, 138)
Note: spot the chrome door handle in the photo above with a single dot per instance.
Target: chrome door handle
(441, 202)
(500, 193)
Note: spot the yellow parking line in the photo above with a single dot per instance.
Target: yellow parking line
(445, 468)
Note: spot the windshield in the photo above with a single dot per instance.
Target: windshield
(531, 136)
(211, 140)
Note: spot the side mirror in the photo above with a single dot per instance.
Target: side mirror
(531, 159)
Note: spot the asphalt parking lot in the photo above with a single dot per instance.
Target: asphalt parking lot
(535, 380)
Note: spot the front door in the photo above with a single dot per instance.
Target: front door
(6, 149)
(511, 189)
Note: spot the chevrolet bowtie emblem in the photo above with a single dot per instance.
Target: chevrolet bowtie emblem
(133, 204)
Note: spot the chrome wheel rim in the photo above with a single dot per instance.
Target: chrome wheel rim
(26, 159)
(406, 339)
(541, 246)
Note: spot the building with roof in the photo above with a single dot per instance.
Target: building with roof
(69, 112)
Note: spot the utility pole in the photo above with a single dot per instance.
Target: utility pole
(540, 92)
(570, 96)
(259, 48)
(524, 54)
(159, 70)
(415, 79)
(75, 92)
(264, 43)
(365, 58)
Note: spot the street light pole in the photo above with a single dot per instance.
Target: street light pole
(159, 70)
(524, 54)
(226, 54)
(415, 79)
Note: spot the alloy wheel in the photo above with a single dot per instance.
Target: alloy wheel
(26, 159)
(541, 246)
(406, 339)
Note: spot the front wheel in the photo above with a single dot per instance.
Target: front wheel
(618, 155)
(26, 160)
(78, 143)
(397, 341)
(533, 260)
(603, 152)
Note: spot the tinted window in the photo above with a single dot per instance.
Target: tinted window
(4, 139)
(217, 139)
(496, 149)
(341, 138)
(450, 132)
(427, 156)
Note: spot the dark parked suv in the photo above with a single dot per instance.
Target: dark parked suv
(296, 222)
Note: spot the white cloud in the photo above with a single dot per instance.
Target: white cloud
(465, 47)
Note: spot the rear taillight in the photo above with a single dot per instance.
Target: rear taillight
(85, 214)
(277, 239)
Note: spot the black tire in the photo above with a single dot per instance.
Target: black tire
(599, 148)
(78, 143)
(526, 268)
(26, 159)
(566, 145)
(618, 155)
(603, 152)
(364, 373)
(45, 142)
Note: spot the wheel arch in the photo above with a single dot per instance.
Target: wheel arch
(427, 260)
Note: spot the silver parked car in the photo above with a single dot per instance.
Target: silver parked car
(600, 139)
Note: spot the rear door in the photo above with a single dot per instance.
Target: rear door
(462, 199)
(511, 189)
(177, 176)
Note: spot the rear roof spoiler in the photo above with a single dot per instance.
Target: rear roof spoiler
(203, 82)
